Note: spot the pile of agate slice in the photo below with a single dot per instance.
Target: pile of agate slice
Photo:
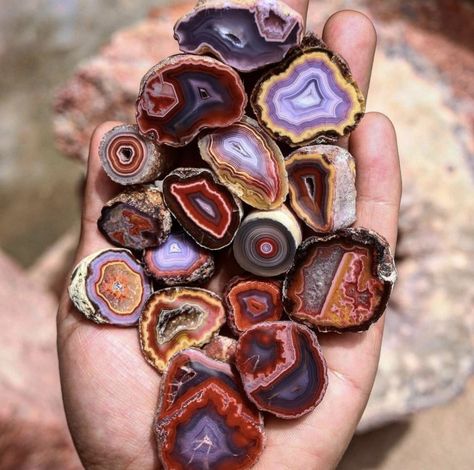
(232, 167)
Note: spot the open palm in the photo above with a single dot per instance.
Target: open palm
(110, 393)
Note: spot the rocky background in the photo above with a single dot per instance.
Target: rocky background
(422, 79)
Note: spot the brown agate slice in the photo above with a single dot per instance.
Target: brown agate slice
(282, 368)
(179, 260)
(137, 218)
(204, 421)
(129, 158)
(110, 286)
(249, 301)
(221, 348)
(204, 207)
(340, 282)
(267, 241)
(310, 97)
(184, 94)
(246, 34)
(248, 162)
(176, 318)
(322, 187)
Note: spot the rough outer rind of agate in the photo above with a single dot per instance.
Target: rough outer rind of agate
(250, 301)
(248, 162)
(179, 260)
(267, 241)
(204, 420)
(137, 218)
(176, 318)
(322, 187)
(205, 208)
(340, 282)
(129, 158)
(109, 286)
(282, 368)
(221, 348)
(184, 94)
(245, 34)
(310, 97)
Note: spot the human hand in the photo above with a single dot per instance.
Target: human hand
(110, 392)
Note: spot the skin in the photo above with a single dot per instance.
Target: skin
(110, 392)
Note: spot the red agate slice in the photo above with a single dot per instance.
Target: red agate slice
(129, 158)
(221, 348)
(340, 282)
(204, 207)
(248, 162)
(309, 97)
(246, 34)
(179, 260)
(176, 318)
(110, 286)
(267, 241)
(137, 218)
(184, 94)
(250, 301)
(204, 420)
(282, 368)
(322, 187)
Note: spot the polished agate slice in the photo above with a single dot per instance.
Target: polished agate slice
(204, 421)
(310, 97)
(110, 286)
(129, 158)
(249, 301)
(176, 318)
(267, 241)
(179, 260)
(322, 187)
(185, 94)
(137, 218)
(340, 282)
(204, 207)
(248, 162)
(221, 348)
(282, 368)
(246, 34)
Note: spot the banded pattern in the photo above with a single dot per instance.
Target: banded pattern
(246, 34)
(250, 301)
(322, 187)
(340, 282)
(203, 207)
(203, 417)
(128, 158)
(282, 368)
(176, 318)
(110, 287)
(179, 261)
(309, 97)
(184, 94)
(267, 241)
(248, 162)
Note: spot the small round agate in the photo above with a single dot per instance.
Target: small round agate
(250, 301)
(184, 94)
(128, 158)
(176, 318)
(110, 286)
(205, 208)
(221, 348)
(179, 260)
(246, 34)
(248, 162)
(137, 218)
(309, 97)
(204, 421)
(322, 187)
(267, 241)
(340, 282)
(282, 368)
